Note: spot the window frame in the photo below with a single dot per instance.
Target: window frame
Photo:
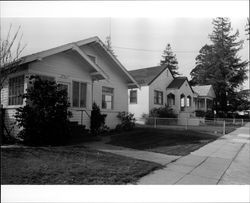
(136, 97)
(16, 96)
(156, 97)
(109, 94)
(189, 101)
(79, 94)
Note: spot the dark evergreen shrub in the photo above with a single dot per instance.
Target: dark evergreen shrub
(162, 112)
(127, 121)
(200, 113)
(97, 120)
(45, 117)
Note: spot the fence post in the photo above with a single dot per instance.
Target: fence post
(186, 123)
(234, 121)
(242, 122)
(224, 127)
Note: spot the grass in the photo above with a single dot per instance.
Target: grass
(167, 141)
(69, 165)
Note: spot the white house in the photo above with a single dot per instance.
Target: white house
(204, 98)
(160, 88)
(88, 71)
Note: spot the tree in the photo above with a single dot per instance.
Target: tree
(97, 120)
(248, 28)
(109, 45)
(45, 117)
(10, 52)
(219, 64)
(170, 59)
(203, 63)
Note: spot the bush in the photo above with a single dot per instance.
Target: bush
(209, 114)
(45, 117)
(162, 112)
(127, 121)
(97, 124)
(200, 113)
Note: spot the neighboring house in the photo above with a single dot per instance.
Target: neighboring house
(88, 71)
(160, 88)
(204, 97)
(246, 93)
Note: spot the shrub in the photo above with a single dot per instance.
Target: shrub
(163, 112)
(45, 117)
(200, 113)
(209, 114)
(97, 120)
(127, 121)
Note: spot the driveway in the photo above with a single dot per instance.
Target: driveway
(224, 161)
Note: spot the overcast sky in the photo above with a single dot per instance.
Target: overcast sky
(137, 41)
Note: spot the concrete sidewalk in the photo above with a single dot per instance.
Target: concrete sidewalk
(162, 159)
(224, 161)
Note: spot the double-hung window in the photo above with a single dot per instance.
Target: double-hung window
(16, 90)
(158, 97)
(79, 94)
(107, 98)
(133, 96)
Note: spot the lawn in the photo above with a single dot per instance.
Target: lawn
(69, 165)
(167, 141)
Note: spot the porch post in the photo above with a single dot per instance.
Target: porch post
(205, 104)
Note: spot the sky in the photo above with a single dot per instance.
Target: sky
(137, 40)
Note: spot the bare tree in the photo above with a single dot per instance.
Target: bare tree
(10, 52)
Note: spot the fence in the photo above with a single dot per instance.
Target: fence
(216, 125)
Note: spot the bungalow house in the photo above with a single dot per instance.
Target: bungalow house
(86, 69)
(160, 88)
(204, 97)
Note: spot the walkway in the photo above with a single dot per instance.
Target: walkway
(162, 159)
(224, 161)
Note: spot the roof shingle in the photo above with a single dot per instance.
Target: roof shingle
(146, 76)
(177, 83)
(202, 90)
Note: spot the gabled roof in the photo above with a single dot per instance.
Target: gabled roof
(177, 82)
(75, 46)
(202, 90)
(146, 76)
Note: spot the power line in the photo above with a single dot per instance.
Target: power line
(150, 50)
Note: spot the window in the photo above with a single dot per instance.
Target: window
(171, 99)
(64, 86)
(158, 97)
(92, 58)
(182, 100)
(107, 98)
(16, 89)
(79, 94)
(133, 96)
(188, 101)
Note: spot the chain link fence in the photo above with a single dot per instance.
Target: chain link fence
(217, 125)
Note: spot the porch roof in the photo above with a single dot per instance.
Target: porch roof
(203, 90)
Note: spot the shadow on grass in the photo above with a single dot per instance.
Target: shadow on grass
(168, 141)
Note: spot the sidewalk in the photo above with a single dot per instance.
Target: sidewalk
(162, 159)
(224, 161)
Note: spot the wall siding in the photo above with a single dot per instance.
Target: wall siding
(159, 84)
(142, 106)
